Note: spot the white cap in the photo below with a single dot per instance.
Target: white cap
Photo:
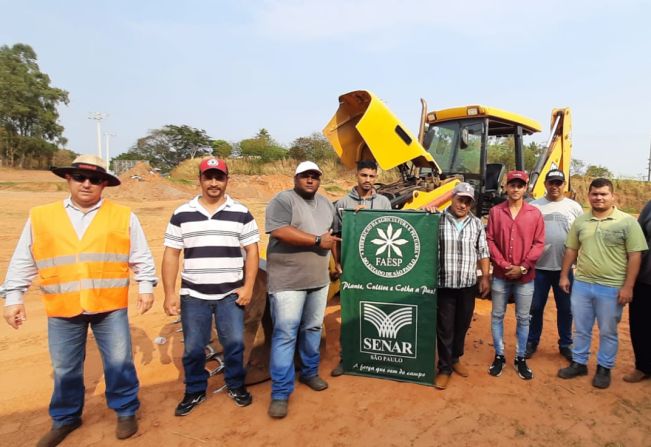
(305, 166)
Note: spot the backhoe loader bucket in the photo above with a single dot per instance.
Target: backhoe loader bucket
(363, 128)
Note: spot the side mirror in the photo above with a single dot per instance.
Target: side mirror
(464, 138)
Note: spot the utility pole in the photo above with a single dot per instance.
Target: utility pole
(108, 136)
(648, 171)
(98, 117)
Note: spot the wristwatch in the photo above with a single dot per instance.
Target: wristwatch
(523, 270)
(317, 241)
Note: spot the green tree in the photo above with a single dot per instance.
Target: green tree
(221, 148)
(63, 157)
(577, 167)
(598, 171)
(166, 147)
(262, 147)
(28, 108)
(314, 147)
(503, 151)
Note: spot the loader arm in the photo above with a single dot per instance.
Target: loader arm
(557, 155)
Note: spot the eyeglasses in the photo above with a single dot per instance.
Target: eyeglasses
(81, 178)
(555, 182)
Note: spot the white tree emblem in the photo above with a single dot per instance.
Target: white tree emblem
(389, 241)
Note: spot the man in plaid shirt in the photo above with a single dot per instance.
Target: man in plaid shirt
(462, 249)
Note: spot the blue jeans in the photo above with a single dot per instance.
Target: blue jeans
(196, 318)
(500, 291)
(67, 342)
(590, 301)
(546, 279)
(296, 314)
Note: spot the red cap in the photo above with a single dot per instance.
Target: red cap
(517, 175)
(213, 163)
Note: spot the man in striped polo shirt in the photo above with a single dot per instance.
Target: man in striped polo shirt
(216, 282)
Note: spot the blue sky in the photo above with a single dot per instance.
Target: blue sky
(233, 67)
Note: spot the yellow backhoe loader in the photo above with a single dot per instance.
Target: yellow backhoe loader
(475, 144)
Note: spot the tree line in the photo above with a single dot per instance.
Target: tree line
(166, 147)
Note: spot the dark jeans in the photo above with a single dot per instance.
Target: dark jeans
(196, 318)
(455, 309)
(546, 279)
(639, 314)
(67, 342)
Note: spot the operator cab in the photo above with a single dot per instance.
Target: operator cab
(479, 145)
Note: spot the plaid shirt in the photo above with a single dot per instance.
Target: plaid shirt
(460, 250)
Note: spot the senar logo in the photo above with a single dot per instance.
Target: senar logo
(388, 325)
(388, 328)
(389, 246)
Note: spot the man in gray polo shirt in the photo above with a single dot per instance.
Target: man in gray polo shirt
(299, 222)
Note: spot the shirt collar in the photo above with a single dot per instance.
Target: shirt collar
(613, 215)
(67, 203)
(194, 203)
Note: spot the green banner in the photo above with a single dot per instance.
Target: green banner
(388, 294)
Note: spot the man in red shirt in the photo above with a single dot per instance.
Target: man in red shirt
(516, 238)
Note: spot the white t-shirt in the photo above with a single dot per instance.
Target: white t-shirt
(558, 220)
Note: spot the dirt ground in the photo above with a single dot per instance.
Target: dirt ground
(356, 411)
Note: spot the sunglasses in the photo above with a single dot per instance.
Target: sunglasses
(81, 178)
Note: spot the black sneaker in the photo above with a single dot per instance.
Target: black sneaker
(566, 352)
(523, 370)
(601, 378)
(572, 371)
(241, 396)
(496, 368)
(530, 350)
(190, 400)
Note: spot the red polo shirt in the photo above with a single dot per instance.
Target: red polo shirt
(518, 241)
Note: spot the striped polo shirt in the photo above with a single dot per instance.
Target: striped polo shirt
(212, 247)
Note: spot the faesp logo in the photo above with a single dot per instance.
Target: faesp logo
(389, 246)
(388, 328)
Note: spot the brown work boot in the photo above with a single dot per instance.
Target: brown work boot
(338, 370)
(314, 382)
(127, 427)
(635, 376)
(460, 369)
(277, 408)
(442, 381)
(56, 435)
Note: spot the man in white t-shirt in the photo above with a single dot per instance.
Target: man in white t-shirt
(558, 212)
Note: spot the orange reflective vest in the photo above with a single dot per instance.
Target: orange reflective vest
(87, 275)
